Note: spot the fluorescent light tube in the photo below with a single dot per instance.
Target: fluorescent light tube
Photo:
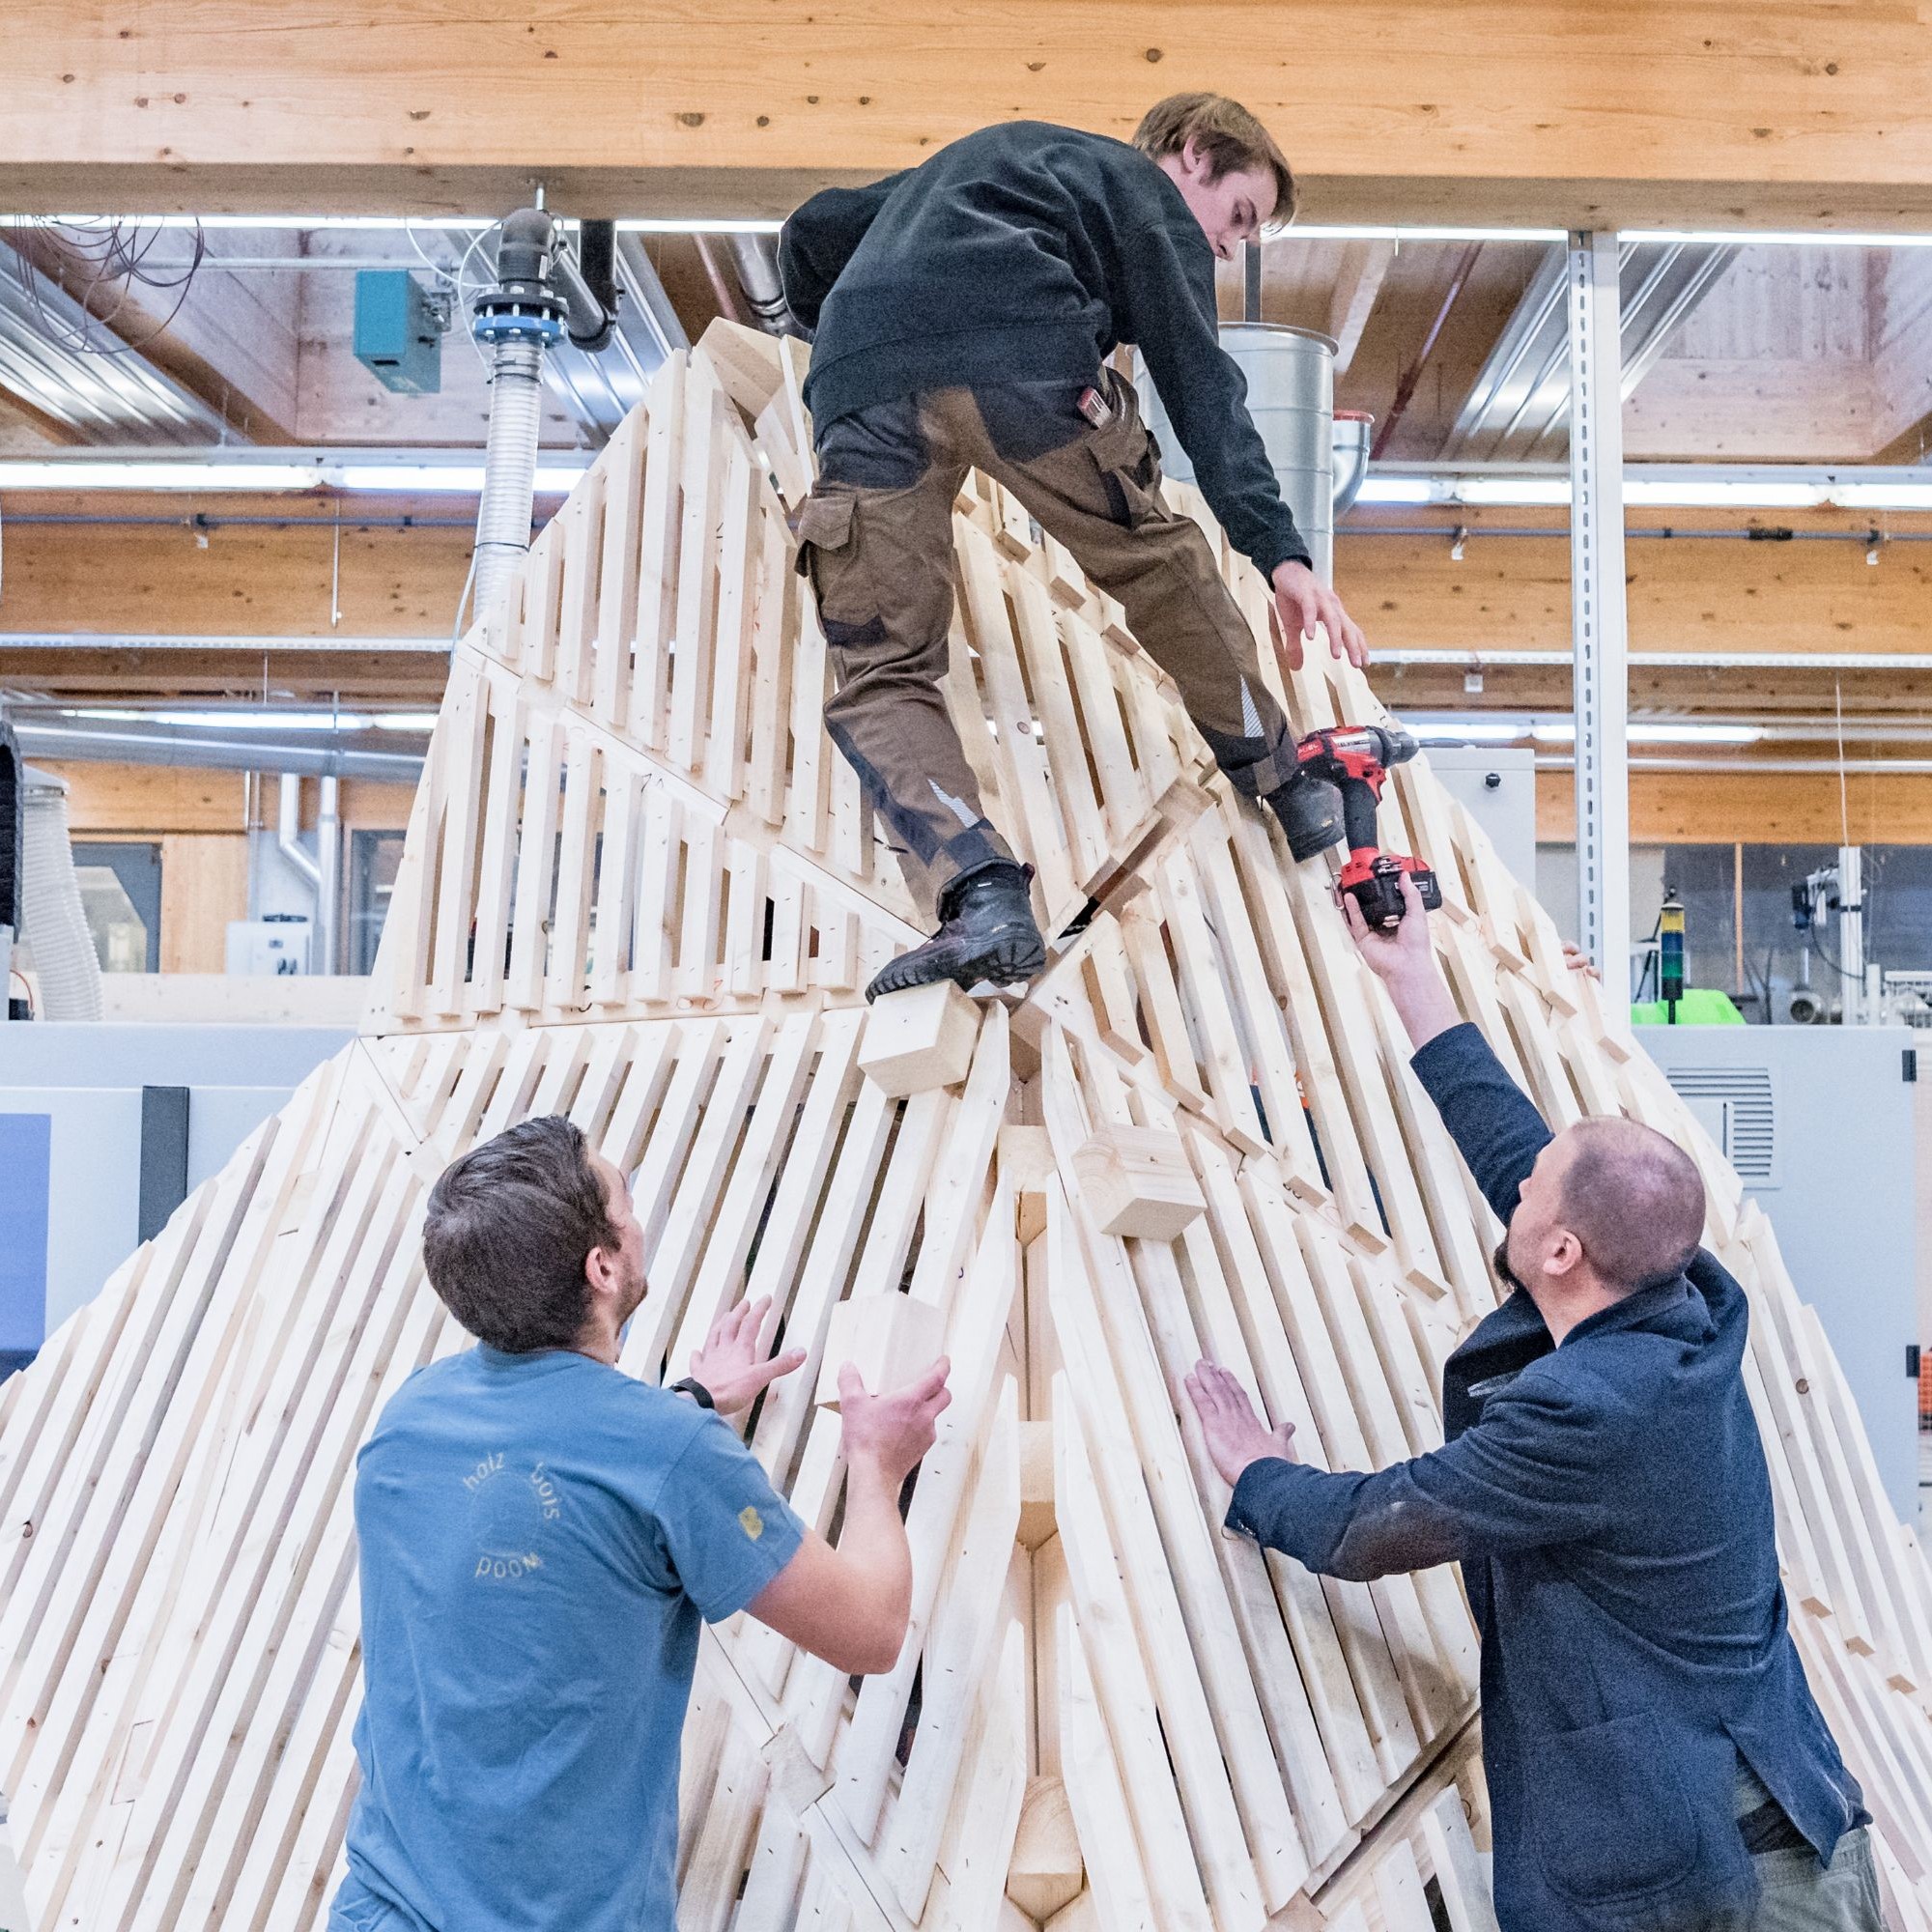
(1478, 730)
(1397, 490)
(228, 721)
(1521, 492)
(1884, 496)
(1554, 734)
(1695, 734)
(160, 475)
(1314, 231)
(1777, 238)
(1716, 494)
(465, 479)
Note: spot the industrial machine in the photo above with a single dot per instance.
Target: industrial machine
(1821, 1126)
(1834, 891)
(104, 1129)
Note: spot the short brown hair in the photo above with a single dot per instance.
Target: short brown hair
(507, 1230)
(1227, 134)
(1633, 1199)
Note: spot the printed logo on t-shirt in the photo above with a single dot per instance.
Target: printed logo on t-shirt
(509, 1513)
(751, 1522)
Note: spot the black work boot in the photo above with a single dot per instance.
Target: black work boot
(1310, 810)
(987, 932)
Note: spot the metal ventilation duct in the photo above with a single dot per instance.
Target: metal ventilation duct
(98, 741)
(1518, 409)
(1291, 375)
(117, 397)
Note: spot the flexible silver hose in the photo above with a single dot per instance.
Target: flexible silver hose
(509, 466)
(53, 924)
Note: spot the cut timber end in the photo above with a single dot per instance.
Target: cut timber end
(919, 1039)
(1136, 1180)
(1046, 1871)
(891, 1337)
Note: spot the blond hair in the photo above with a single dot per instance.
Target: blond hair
(1227, 134)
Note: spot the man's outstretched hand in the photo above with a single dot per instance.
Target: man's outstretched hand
(1302, 602)
(1404, 962)
(1236, 1434)
(734, 1365)
(1405, 954)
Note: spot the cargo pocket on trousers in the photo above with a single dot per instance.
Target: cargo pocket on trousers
(1609, 1816)
(1129, 460)
(831, 554)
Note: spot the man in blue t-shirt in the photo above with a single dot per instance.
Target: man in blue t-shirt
(540, 1537)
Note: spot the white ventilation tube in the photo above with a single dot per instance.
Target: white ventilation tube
(53, 924)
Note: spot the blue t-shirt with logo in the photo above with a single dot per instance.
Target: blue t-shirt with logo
(540, 1535)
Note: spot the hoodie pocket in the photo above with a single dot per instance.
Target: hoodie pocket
(1609, 1816)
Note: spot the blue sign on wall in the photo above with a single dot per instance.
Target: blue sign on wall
(25, 1145)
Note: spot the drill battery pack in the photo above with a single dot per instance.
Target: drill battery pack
(1374, 880)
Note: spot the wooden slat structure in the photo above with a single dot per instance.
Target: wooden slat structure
(641, 891)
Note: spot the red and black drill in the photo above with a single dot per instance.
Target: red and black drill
(1345, 766)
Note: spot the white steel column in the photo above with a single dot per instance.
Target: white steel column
(1598, 621)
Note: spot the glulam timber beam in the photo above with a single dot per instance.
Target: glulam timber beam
(1706, 587)
(202, 595)
(1754, 806)
(152, 603)
(1527, 111)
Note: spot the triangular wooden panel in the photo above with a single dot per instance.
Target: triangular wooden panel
(641, 890)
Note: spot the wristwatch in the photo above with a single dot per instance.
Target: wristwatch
(696, 1390)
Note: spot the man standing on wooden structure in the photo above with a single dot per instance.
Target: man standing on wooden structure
(963, 314)
(1654, 1754)
(540, 1535)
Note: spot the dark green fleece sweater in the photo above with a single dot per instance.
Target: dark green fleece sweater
(1025, 254)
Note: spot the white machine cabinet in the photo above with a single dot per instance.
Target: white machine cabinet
(1818, 1122)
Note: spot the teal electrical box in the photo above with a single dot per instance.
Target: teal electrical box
(398, 333)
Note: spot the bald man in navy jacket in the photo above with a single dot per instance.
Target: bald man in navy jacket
(1656, 1761)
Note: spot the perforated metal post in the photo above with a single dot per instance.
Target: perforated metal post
(1598, 618)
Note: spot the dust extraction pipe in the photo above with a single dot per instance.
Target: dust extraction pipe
(54, 925)
(1319, 459)
(756, 257)
(323, 870)
(102, 741)
(542, 291)
(518, 321)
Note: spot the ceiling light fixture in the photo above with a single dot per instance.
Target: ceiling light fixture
(1754, 490)
(255, 719)
(393, 224)
(1776, 238)
(172, 474)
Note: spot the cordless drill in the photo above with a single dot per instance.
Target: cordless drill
(1352, 761)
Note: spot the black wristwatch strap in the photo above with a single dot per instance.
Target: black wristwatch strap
(696, 1390)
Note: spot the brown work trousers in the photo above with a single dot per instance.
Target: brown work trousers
(875, 537)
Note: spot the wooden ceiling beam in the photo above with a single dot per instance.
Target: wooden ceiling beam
(1359, 281)
(1510, 110)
